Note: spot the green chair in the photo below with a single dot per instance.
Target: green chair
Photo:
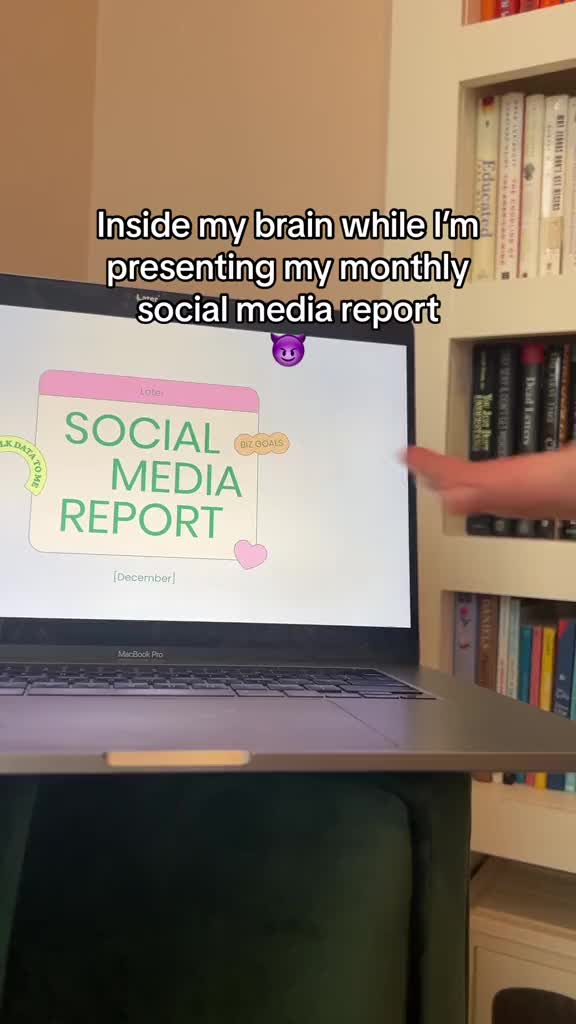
(229, 899)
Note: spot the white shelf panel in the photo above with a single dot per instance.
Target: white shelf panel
(525, 824)
(497, 565)
(530, 44)
(520, 308)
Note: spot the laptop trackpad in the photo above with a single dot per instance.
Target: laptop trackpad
(96, 725)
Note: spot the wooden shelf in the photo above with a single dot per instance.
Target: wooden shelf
(429, 168)
(516, 309)
(511, 48)
(525, 824)
(498, 565)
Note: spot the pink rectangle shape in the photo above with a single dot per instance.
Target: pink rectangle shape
(108, 387)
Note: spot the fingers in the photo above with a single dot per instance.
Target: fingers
(439, 471)
(522, 486)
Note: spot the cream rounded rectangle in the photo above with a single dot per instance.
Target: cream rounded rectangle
(139, 467)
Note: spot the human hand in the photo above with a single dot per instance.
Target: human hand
(541, 486)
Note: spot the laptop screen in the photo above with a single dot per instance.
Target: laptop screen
(181, 474)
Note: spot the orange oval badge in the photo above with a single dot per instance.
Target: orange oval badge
(261, 444)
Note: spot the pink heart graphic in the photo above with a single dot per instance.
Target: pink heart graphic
(249, 555)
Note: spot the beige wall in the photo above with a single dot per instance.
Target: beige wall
(266, 105)
(221, 108)
(47, 77)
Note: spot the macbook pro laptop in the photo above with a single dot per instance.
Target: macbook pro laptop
(208, 554)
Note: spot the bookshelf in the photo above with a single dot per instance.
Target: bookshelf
(440, 61)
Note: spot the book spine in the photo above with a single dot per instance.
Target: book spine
(487, 654)
(553, 185)
(550, 3)
(503, 643)
(569, 240)
(485, 188)
(482, 421)
(524, 672)
(531, 197)
(529, 5)
(530, 397)
(568, 526)
(562, 697)
(513, 650)
(565, 425)
(546, 685)
(535, 671)
(550, 421)
(488, 10)
(509, 185)
(506, 7)
(465, 637)
(487, 641)
(506, 417)
(570, 781)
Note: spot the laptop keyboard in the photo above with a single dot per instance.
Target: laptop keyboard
(204, 681)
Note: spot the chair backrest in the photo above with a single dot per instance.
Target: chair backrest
(532, 1006)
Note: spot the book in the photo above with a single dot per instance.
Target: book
(485, 187)
(487, 641)
(465, 637)
(553, 185)
(505, 420)
(488, 10)
(481, 444)
(503, 645)
(506, 7)
(550, 420)
(569, 239)
(546, 685)
(529, 5)
(570, 781)
(562, 696)
(513, 649)
(509, 185)
(568, 526)
(535, 671)
(531, 197)
(487, 654)
(532, 359)
(524, 674)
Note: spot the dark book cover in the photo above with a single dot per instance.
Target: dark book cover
(550, 419)
(482, 411)
(568, 526)
(505, 418)
(562, 696)
(531, 372)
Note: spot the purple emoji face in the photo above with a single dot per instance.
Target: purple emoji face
(288, 349)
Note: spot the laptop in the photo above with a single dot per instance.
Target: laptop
(209, 554)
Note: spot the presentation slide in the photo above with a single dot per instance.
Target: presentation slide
(200, 474)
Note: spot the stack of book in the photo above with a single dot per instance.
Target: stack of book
(523, 400)
(525, 186)
(503, 8)
(524, 650)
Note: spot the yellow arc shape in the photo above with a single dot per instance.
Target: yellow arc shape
(33, 456)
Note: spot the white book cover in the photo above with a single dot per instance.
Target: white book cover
(569, 247)
(503, 641)
(513, 649)
(553, 185)
(509, 185)
(531, 198)
(486, 187)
